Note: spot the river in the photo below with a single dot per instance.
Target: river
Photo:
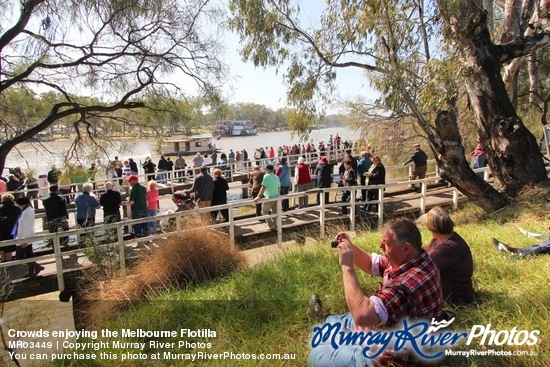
(40, 156)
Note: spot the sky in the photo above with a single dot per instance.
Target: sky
(265, 87)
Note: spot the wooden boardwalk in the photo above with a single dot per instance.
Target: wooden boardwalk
(248, 232)
(245, 230)
(405, 203)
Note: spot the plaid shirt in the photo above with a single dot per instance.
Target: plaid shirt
(413, 291)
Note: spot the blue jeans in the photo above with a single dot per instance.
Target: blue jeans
(480, 162)
(140, 229)
(324, 355)
(152, 226)
(161, 175)
(543, 248)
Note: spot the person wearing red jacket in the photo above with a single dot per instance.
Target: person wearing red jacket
(302, 181)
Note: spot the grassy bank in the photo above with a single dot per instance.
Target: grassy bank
(263, 309)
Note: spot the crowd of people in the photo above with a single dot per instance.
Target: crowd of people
(274, 179)
(18, 221)
(71, 179)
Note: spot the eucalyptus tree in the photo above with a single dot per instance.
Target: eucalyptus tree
(116, 50)
(166, 115)
(512, 150)
(19, 106)
(419, 55)
(261, 115)
(525, 77)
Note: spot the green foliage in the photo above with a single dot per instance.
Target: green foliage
(20, 109)
(391, 39)
(300, 122)
(75, 173)
(264, 118)
(264, 30)
(102, 252)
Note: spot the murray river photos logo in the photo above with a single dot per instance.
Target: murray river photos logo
(427, 340)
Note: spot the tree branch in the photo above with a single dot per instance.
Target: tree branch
(522, 46)
(309, 40)
(26, 12)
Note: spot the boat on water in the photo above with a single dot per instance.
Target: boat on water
(188, 145)
(234, 128)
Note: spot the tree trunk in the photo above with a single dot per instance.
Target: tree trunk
(454, 167)
(488, 7)
(5, 149)
(511, 149)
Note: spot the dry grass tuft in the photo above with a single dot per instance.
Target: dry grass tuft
(188, 257)
(538, 193)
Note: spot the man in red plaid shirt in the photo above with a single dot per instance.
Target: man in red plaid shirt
(411, 289)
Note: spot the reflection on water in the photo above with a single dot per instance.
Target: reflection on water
(40, 156)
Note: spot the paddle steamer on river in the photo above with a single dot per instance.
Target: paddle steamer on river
(234, 128)
(188, 145)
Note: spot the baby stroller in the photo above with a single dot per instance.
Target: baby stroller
(183, 200)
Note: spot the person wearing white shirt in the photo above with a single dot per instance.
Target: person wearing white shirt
(24, 228)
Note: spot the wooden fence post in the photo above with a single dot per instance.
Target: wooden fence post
(455, 199)
(58, 263)
(352, 210)
(279, 220)
(231, 229)
(322, 214)
(381, 191)
(423, 197)
(121, 254)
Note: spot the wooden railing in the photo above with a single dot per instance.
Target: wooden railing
(117, 229)
(230, 170)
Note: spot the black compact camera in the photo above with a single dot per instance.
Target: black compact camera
(334, 243)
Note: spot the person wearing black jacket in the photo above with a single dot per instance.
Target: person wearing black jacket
(376, 175)
(133, 166)
(149, 167)
(349, 178)
(324, 177)
(420, 160)
(170, 167)
(353, 160)
(15, 186)
(9, 213)
(162, 168)
(56, 213)
(219, 197)
(110, 200)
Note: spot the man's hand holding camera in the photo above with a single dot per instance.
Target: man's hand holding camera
(344, 248)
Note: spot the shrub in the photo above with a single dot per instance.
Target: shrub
(188, 257)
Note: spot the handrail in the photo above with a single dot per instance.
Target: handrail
(117, 228)
(245, 185)
(313, 160)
